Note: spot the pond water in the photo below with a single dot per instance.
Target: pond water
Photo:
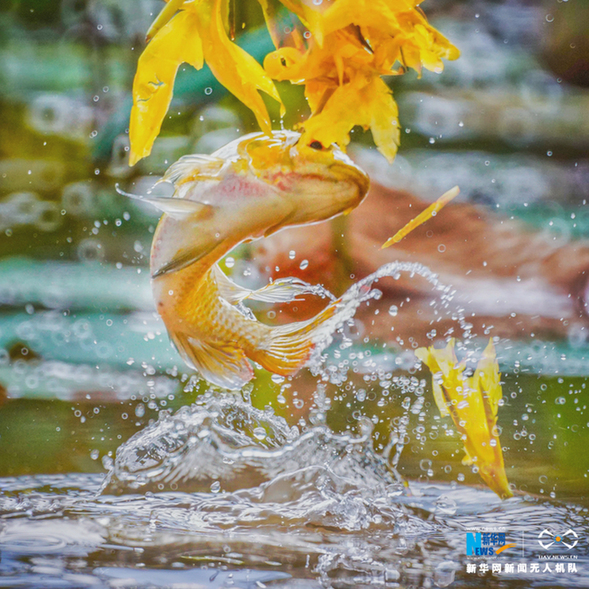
(221, 494)
(118, 468)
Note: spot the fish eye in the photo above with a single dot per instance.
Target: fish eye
(316, 145)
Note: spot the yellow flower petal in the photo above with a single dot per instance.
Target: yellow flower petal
(369, 105)
(473, 404)
(310, 17)
(236, 69)
(176, 42)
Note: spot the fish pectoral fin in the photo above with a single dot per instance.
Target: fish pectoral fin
(221, 363)
(177, 208)
(185, 257)
(181, 208)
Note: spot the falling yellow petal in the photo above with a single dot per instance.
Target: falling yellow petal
(473, 403)
(176, 42)
(431, 211)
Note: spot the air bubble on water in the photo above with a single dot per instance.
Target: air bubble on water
(208, 91)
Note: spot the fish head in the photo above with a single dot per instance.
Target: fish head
(319, 181)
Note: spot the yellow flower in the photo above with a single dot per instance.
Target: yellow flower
(194, 35)
(472, 402)
(354, 43)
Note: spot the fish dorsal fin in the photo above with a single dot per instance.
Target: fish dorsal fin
(193, 167)
(187, 256)
(221, 363)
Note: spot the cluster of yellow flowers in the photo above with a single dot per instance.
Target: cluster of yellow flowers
(346, 47)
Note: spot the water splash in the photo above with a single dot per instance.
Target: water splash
(363, 291)
(231, 506)
(224, 444)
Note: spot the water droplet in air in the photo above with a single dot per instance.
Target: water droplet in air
(304, 264)
(393, 310)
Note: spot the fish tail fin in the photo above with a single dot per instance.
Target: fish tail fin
(288, 347)
(222, 364)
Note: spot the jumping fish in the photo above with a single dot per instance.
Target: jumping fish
(248, 189)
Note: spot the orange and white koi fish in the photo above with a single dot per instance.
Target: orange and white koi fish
(248, 189)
